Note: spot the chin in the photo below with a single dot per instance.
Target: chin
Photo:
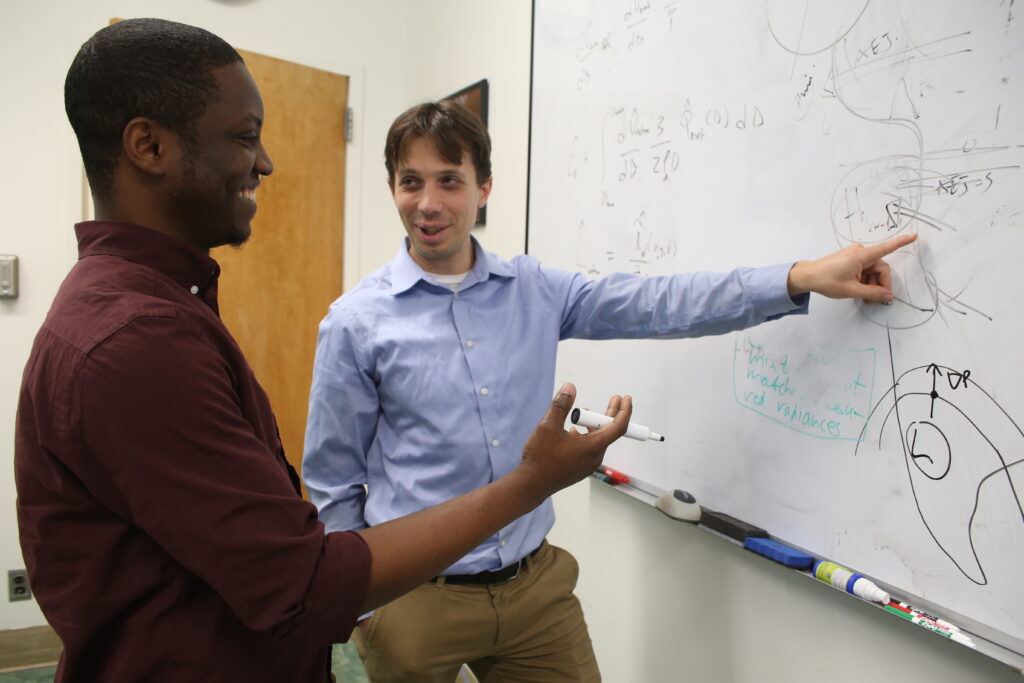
(238, 236)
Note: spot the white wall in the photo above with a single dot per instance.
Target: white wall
(665, 602)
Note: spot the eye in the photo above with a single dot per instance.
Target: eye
(451, 181)
(409, 182)
(250, 138)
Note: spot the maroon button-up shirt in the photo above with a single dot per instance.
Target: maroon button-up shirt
(160, 522)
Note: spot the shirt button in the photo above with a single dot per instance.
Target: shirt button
(469, 343)
(194, 289)
(495, 443)
(504, 543)
(484, 391)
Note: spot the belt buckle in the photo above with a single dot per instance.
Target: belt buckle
(519, 568)
(522, 561)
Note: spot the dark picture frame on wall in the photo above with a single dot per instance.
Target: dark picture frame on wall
(474, 98)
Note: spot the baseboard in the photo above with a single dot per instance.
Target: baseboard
(23, 647)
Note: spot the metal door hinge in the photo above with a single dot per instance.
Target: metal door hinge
(349, 123)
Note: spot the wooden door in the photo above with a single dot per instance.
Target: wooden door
(275, 289)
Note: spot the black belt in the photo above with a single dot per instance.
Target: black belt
(496, 576)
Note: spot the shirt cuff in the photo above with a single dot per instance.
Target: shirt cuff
(772, 281)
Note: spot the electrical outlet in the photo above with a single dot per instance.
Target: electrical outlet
(17, 585)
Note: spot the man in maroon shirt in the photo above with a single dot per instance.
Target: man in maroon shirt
(160, 522)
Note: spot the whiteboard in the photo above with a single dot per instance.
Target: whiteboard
(671, 136)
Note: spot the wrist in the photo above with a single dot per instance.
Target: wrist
(527, 486)
(796, 280)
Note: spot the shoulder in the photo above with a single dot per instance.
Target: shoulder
(527, 269)
(87, 356)
(551, 281)
(372, 291)
(357, 312)
(88, 310)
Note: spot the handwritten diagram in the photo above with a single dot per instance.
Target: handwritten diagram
(879, 68)
(947, 424)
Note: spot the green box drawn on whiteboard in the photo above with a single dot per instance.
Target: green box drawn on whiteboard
(825, 394)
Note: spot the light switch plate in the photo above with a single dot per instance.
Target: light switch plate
(8, 276)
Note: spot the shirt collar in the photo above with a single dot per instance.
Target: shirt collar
(405, 272)
(186, 265)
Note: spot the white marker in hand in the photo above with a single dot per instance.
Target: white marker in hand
(588, 418)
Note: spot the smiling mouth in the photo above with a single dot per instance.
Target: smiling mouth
(248, 194)
(430, 230)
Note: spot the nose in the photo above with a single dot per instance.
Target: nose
(430, 200)
(264, 165)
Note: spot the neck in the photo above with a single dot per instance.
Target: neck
(452, 267)
(460, 262)
(142, 213)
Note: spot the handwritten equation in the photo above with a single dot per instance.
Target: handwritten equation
(638, 248)
(629, 29)
(639, 145)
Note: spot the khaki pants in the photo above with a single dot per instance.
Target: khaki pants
(530, 628)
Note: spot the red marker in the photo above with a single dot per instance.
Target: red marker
(616, 476)
(896, 605)
(913, 611)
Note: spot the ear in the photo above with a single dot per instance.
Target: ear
(485, 192)
(148, 146)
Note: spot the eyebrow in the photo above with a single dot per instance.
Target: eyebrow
(453, 170)
(252, 117)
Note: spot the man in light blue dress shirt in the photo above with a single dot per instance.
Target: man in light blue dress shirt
(431, 372)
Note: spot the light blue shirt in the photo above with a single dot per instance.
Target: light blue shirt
(421, 394)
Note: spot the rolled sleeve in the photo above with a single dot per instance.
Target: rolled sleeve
(329, 612)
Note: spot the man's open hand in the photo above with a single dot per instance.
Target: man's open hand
(557, 458)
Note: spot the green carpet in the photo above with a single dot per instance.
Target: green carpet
(28, 675)
(345, 665)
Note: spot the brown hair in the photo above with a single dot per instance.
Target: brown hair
(450, 127)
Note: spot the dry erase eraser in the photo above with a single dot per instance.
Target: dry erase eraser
(780, 552)
(730, 526)
(679, 505)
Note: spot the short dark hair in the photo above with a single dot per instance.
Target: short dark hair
(154, 68)
(450, 127)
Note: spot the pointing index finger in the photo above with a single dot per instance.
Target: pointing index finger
(877, 251)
